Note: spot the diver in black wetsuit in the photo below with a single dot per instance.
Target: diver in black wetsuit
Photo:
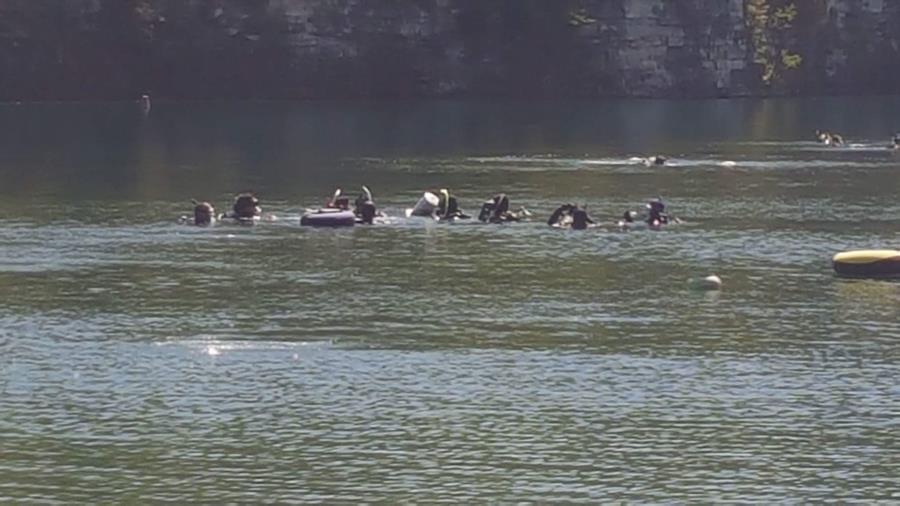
(364, 207)
(338, 201)
(895, 142)
(655, 160)
(561, 215)
(448, 207)
(829, 139)
(496, 210)
(246, 207)
(580, 219)
(204, 213)
(570, 215)
(627, 221)
(657, 215)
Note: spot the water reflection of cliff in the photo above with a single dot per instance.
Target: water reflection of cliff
(183, 150)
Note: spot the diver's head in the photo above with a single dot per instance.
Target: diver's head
(246, 205)
(628, 217)
(204, 213)
(659, 160)
(342, 203)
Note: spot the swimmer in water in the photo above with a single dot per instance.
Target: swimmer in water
(246, 208)
(627, 220)
(364, 207)
(338, 201)
(204, 214)
(829, 139)
(657, 216)
(655, 160)
(496, 210)
(448, 207)
(570, 215)
(580, 219)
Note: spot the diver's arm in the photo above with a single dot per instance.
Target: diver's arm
(554, 218)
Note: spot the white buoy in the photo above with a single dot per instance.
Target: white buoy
(711, 282)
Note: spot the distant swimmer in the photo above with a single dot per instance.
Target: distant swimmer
(655, 160)
(364, 207)
(895, 142)
(627, 220)
(496, 210)
(829, 139)
(338, 201)
(204, 213)
(245, 209)
(562, 216)
(570, 216)
(580, 219)
(657, 213)
(448, 207)
(441, 206)
(657, 216)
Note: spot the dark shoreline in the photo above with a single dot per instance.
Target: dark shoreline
(446, 98)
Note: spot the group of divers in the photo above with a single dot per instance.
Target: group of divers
(833, 139)
(441, 206)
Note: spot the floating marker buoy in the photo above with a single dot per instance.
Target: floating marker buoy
(711, 282)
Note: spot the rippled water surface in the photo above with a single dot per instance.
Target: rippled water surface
(145, 360)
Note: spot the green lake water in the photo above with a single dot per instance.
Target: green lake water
(144, 360)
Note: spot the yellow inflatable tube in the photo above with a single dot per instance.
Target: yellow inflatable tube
(872, 263)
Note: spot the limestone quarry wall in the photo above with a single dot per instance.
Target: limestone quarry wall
(76, 49)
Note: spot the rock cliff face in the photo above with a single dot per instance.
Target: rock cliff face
(335, 48)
